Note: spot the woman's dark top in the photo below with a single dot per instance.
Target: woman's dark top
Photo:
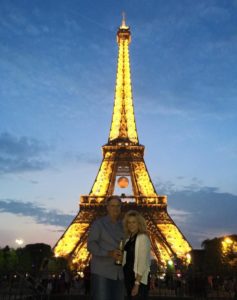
(129, 275)
(130, 252)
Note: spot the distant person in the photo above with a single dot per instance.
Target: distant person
(136, 259)
(87, 279)
(49, 288)
(103, 241)
(66, 278)
(44, 273)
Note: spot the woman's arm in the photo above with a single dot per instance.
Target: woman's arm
(135, 288)
(143, 261)
(143, 254)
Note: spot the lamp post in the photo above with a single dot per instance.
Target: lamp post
(19, 242)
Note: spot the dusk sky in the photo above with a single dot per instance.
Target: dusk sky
(58, 63)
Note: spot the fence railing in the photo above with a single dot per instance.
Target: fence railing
(26, 287)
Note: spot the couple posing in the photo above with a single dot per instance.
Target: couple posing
(108, 279)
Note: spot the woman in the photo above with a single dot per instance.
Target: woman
(136, 260)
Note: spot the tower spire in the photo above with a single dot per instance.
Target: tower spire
(123, 125)
(123, 26)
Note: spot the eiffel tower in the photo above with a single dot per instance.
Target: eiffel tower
(123, 159)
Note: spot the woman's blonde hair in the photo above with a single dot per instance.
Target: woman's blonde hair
(140, 220)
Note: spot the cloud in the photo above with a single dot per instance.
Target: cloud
(34, 181)
(214, 11)
(201, 211)
(21, 154)
(83, 157)
(17, 23)
(39, 213)
(180, 216)
(88, 158)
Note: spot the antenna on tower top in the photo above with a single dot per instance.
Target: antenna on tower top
(123, 26)
(123, 20)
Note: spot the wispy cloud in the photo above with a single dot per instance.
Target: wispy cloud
(213, 11)
(82, 157)
(37, 212)
(21, 154)
(48, 67)
(180, 216)
(192, 71)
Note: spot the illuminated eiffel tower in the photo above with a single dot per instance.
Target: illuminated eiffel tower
(123, 156)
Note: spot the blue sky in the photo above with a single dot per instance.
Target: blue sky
(58, 66)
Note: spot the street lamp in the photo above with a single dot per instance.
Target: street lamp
(228, 240)
(170, 263)
(19, 242)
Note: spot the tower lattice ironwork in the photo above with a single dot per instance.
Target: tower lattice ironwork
(123, 155)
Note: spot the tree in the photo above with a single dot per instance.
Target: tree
(8, 260)
(35, 254)
(220, 255)
(57, 264)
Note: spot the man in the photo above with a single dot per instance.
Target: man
(103, 242)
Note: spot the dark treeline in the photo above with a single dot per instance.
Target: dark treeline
(29, 259)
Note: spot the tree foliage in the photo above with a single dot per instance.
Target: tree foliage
(220, 255)
(27, 259)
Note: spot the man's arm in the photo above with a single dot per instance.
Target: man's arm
(93, 242)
